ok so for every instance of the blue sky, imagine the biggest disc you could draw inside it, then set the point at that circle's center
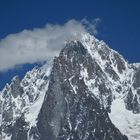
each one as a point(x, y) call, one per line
point(119, 26)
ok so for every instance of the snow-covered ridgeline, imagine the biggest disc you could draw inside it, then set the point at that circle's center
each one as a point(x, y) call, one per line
point(115, 79)
point(30, 93)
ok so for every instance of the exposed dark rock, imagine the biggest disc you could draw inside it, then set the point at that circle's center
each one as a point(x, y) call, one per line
point(19, 131)
point(69, 115)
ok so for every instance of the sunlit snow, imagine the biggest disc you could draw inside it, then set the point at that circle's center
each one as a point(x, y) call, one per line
point(127, 122)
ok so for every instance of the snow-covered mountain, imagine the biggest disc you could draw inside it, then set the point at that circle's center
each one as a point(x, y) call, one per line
point(88, 92)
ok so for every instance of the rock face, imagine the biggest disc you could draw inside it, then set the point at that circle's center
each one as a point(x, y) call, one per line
point(70, 110)
point(71, 98)
point(133, 96)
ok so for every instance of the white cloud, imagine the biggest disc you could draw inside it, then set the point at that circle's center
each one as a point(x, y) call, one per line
point(38, 45)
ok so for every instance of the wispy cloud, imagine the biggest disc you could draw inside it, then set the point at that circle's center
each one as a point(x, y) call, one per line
point(91, 26)
point(41, 44)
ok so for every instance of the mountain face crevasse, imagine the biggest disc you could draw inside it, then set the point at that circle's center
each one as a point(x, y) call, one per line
point(75, 97)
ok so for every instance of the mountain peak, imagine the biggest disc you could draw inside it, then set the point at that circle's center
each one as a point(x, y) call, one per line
point(73, 97)
point(15, 80)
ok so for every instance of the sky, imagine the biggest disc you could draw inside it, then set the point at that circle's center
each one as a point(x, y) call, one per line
point(26, 23)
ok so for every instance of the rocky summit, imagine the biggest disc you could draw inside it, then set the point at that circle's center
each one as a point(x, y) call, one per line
point(88, 92)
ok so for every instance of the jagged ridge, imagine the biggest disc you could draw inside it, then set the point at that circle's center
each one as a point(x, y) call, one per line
point(85, 79)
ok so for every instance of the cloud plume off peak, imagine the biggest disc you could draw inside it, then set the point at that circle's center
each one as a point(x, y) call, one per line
point(40, 44)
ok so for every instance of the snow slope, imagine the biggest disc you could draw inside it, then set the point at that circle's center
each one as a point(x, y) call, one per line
point(127, 122)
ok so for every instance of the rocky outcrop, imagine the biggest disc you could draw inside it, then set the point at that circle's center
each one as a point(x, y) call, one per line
point(70, 99)
point(70, 110)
